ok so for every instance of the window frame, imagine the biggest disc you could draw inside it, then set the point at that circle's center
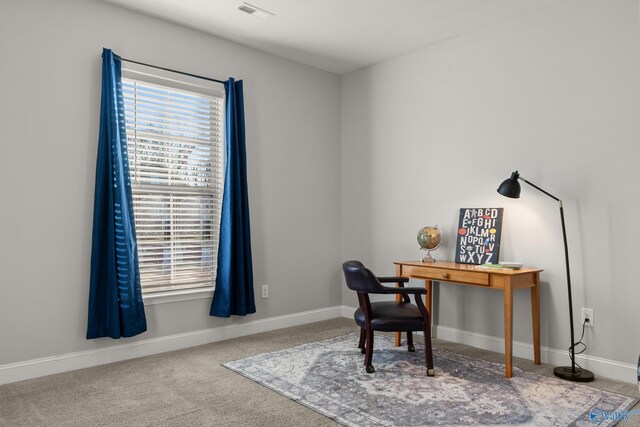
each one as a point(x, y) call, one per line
point(179, 82)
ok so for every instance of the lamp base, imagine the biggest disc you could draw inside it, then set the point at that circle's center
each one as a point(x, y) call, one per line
point(579, 375)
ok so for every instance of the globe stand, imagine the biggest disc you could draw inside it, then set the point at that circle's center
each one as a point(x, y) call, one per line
point(428, 257)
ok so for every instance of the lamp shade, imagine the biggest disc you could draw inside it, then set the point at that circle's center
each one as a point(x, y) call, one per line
point(510, 187)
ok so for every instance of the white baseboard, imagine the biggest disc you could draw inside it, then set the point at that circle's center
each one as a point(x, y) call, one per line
point(615, 370)
point(34, 368)
point(348, 311)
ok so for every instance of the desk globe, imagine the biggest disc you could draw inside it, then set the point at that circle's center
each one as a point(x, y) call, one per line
point(429, 238)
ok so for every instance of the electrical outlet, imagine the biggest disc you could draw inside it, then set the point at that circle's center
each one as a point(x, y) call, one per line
point(587, 314)
point(265, 291)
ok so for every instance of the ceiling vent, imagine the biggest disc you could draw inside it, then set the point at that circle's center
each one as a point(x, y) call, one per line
point(255, 11)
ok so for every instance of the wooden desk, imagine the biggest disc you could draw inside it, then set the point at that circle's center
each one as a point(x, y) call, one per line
point(472, 275)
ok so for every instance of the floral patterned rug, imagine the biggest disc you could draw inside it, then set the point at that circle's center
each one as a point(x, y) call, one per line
point(329, 377)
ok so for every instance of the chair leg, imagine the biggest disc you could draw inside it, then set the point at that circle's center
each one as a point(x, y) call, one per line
point(410, 346)
point(369, 352)
point(363, 336)
point(428, 350)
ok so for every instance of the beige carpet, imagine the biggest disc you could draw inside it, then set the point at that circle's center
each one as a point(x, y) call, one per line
point(190, 388)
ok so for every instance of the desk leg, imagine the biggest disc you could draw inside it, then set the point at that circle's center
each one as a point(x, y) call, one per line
point(508, 328)
point(398, 299)
point(535, 317)
point(429, 299)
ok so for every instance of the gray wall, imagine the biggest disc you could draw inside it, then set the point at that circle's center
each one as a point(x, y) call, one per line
point(49, 107)
point(553, 93)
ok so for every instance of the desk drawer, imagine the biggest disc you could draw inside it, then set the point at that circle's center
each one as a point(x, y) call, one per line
point(471, 277)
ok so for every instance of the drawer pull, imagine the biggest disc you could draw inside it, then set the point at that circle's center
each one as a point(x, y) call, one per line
point(445, 275)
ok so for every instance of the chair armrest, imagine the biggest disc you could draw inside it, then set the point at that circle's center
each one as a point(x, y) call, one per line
point(393, 279)
point(405, 291)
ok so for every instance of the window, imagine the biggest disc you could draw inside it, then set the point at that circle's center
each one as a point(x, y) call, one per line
point(174, 127)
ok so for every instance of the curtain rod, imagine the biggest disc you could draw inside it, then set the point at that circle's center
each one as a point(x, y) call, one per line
point(173, 71)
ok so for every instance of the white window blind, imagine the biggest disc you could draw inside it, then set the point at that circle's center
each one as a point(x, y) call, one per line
point(175, 140)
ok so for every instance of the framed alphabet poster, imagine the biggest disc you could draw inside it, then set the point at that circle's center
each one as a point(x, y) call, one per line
point(478, 236)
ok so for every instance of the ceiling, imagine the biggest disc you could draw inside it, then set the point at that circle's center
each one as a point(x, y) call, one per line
point(336, 35)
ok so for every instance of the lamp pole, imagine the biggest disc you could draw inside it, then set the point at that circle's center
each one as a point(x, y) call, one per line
point(511, 188)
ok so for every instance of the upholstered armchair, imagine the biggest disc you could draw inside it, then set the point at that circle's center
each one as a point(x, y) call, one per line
point(388, 316)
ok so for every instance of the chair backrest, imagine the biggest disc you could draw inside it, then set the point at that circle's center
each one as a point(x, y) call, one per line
point(360, 279)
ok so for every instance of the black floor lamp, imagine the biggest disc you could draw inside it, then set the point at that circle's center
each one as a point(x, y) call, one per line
point(511, 188)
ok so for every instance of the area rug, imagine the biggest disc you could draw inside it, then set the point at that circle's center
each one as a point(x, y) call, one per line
point(329, 377)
